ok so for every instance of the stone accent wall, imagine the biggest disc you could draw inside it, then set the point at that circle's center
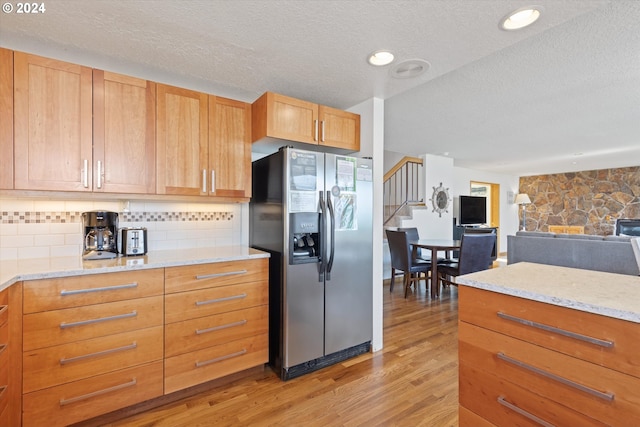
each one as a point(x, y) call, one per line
point(593, 199)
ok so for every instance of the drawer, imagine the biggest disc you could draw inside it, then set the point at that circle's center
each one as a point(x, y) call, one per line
point(66, 292)
point(57, 327)
point(81, 400)
point(75, 361)
point(205, 302)
point(598, 339)
point(4, 379)
point(215, 362)
point(503, 403)
point(593, 390)
point(196, 334)
point(178, 279)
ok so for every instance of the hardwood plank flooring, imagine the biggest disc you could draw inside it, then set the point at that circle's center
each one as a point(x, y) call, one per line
point(413, 381)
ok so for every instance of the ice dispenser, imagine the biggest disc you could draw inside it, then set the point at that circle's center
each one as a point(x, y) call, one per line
point(304, 239)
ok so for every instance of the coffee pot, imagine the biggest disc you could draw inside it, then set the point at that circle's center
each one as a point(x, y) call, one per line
point(100, 230)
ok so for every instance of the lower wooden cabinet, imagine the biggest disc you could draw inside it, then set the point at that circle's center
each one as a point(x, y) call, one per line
point(528, 363)
point(89, 345)
point(217, 321)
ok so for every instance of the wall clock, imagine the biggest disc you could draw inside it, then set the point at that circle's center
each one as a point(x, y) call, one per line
point(440, 199)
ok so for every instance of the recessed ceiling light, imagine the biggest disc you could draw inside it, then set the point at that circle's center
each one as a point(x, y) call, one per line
point(380, 58)
point(520, 18)
point(409, 68)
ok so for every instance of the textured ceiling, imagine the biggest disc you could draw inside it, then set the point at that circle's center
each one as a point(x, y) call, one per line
point(520, 102)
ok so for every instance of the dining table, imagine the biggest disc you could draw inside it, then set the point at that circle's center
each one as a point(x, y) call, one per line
point(435, 245)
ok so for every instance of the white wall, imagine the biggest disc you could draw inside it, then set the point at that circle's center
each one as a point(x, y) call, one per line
point(372, 145)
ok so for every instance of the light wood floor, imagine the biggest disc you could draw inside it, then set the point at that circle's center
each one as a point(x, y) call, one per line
point(413, 381)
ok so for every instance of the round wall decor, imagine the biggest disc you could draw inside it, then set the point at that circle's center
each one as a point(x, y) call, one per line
point(440, 199)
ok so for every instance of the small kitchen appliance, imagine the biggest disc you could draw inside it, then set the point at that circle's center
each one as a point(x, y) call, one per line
point(133, 241)
point(100, 230)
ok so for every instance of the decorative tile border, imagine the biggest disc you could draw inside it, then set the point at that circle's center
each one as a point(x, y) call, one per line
point(71, 217)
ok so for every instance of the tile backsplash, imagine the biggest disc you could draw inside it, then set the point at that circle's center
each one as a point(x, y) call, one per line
point(33, 228)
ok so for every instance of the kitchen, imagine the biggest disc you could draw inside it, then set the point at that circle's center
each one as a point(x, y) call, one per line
point(235, 214)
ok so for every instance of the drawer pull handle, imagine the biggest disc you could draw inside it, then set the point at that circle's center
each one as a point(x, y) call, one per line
point(212, 301)
point(503, 402)
point(2, 390)
point(3, 308)
point(217, 328)
point(602, 395)
point(131, 346)
point(221, 358)
point(97, 393)
point(596, 341)
point(105, 288)
point(63, 325)
point(3, 347)
point(215, 275)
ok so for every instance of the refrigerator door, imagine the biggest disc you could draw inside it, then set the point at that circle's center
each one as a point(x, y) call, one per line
point(348, 286)
point(303, 293)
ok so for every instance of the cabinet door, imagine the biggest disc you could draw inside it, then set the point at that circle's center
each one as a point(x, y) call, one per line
point(182, 141)
point(279, 116)
point(339, 129)
point(124, 138)
point(6, 118)
point(53, 124)
point(230, 147)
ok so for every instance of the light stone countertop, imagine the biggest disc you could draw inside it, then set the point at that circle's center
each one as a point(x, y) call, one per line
point(607, 294)
point(45, 268)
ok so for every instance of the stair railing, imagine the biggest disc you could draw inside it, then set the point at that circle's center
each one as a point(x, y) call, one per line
point(402, 186)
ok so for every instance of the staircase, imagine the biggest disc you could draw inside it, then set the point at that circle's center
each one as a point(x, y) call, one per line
point(403, 197)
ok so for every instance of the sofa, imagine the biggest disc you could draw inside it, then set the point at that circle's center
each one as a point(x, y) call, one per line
point(613, 254)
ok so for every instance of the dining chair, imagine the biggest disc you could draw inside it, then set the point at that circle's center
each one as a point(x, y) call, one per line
point(412, 234)
point(488, 230)
point(475, 255)
point(402, 259)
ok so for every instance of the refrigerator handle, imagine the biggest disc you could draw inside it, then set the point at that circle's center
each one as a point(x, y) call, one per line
point(323, 239)
point(333, 235)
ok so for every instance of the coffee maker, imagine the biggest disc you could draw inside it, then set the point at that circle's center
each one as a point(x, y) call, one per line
point(100, 230)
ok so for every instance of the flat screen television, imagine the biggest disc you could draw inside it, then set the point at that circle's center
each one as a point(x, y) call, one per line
point(473, 210)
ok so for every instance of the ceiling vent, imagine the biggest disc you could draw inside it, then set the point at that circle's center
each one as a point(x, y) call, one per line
point(409, 68)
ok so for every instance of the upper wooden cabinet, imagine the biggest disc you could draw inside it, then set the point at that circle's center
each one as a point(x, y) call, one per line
point(53, 124)
point(182, 141)
point(6, 118)
point(281, 117)
point(230, 147)
point(124, 134)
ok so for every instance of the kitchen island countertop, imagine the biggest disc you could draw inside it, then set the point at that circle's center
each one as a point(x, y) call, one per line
point(45, 268)
point(607, 294)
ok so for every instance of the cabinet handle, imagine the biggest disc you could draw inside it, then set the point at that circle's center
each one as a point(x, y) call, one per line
point(99, 177)
point(64, 402)
point(503, 402)
point(204, 180)
point(597, 393)
point(215, 275)
point(221, 358)
point(217, 328)
point(85, 174)
point(105, 288)
point(212, 301)
point(131, 346)
point(322, 139)
point(63, 325)
point(2, 390)
point(315, 132)
point(3, 347)
point(574, 335)
point(213, 181)
point(3, 308)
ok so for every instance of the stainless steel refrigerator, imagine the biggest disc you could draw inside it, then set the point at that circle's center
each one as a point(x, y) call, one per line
point(312, 212)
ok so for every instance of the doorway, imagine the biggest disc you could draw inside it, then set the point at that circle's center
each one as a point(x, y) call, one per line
point(492, 192)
